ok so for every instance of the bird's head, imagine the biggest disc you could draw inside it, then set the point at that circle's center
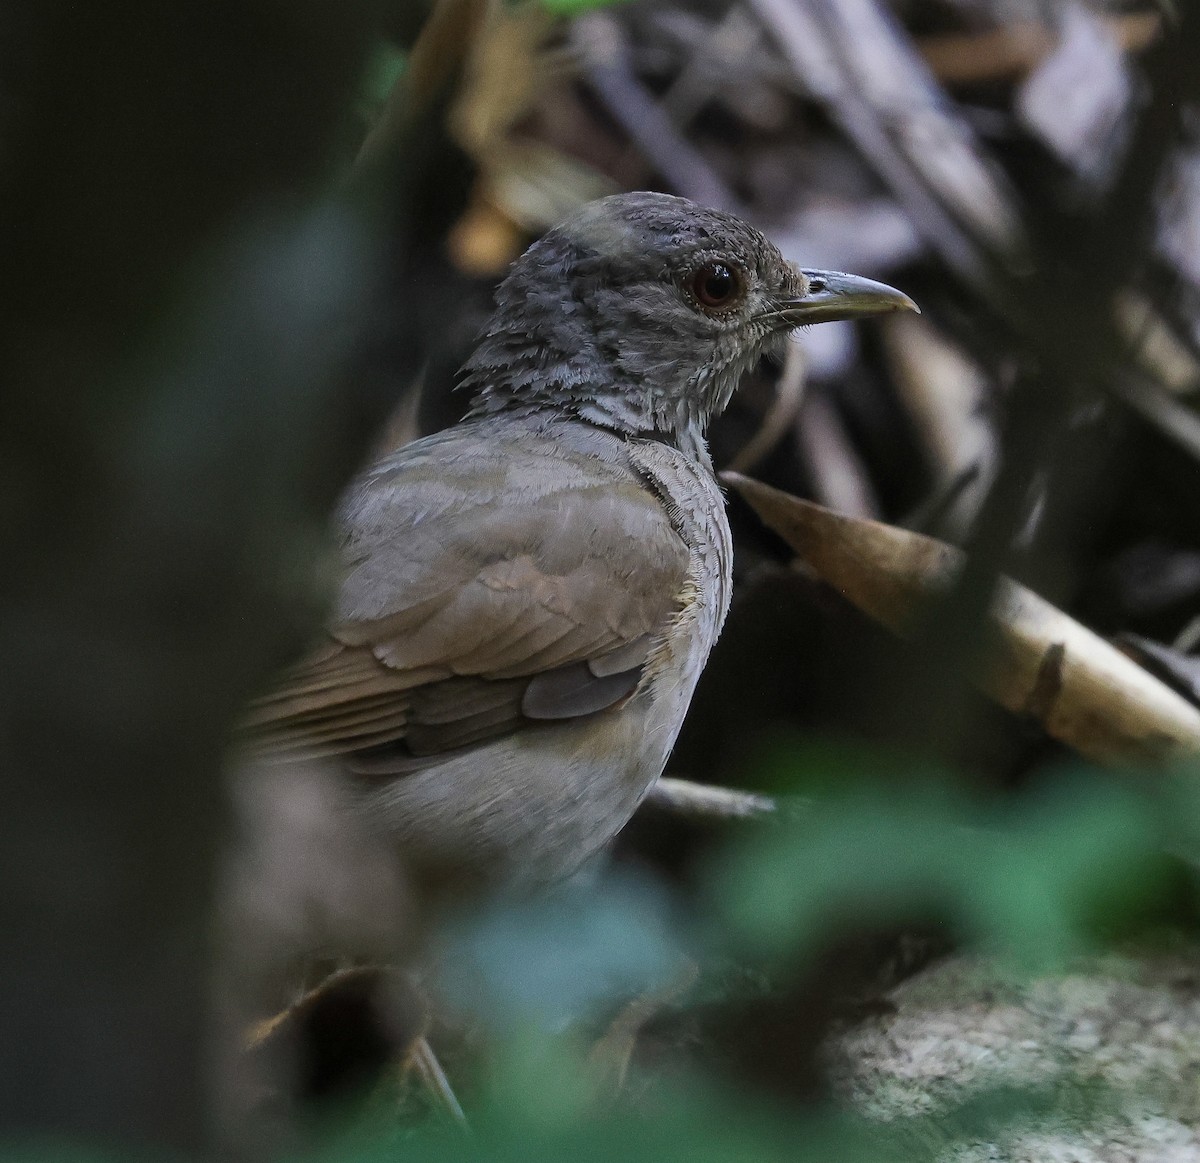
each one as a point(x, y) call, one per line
point(642, 311)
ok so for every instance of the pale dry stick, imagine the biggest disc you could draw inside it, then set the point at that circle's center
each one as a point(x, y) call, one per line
point(733, 40)
point(425, 1062)
point(1173, 664)
point(1035, 659)
point(1163, 411)
point(936, 141)
point(938, 508)
point(839, 475)
point(1161, 353)
point(613, 1054)
point(1079, 102)
point(702, 800)
point(885, 100)
point(946, 393)
point(1009, 52)
point(599, 39)
point(780, 416)
point(695, 84)
point(688, 30)
point(1189, 637)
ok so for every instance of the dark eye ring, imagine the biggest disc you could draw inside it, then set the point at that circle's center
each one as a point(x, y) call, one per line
point(717, 285)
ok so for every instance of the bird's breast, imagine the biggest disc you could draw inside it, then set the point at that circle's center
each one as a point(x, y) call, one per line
point(692, 498)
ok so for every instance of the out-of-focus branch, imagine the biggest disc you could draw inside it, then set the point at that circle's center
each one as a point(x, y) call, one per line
point(1045, 665)
point(169, 458)
point(706, 801)
point(1060, 315)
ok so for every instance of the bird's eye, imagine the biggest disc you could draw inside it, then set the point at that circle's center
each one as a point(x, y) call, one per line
point(717, 285)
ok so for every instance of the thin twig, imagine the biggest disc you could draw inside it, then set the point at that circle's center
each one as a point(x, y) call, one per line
point(426, 1064)
point(780, 416)
point(707, 800)
point(599, 39)
point(839, 476)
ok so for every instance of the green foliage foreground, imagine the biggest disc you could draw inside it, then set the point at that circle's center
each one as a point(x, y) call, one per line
point(1031, 883)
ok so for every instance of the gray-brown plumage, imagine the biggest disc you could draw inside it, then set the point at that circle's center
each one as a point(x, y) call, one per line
point(530, 596)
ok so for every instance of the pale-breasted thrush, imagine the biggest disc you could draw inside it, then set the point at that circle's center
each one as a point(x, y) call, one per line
point(530, 596)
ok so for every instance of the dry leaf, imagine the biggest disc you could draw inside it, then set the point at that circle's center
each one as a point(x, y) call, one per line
point(343, 1034)
point(1084, 691)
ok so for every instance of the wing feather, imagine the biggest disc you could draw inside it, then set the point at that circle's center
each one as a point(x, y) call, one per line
point(490, 582)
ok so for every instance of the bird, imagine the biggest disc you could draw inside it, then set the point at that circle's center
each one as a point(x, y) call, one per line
point(529, 597)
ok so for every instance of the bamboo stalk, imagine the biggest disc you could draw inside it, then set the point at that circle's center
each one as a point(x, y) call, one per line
point(1036, 660)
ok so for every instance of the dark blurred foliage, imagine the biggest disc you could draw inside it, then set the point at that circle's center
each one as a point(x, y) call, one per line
point(187, 332)
point(217, 294)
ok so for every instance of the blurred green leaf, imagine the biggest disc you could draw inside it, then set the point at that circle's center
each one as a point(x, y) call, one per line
point(549, 960)
point(61, 1151)
point(384, 66)
point(1027, 882)
point(694, 1124)
point(574, 7)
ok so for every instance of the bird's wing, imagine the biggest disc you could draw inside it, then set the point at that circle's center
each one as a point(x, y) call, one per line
point(490, 583)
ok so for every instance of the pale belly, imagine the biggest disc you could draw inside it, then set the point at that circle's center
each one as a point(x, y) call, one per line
point(532, 807)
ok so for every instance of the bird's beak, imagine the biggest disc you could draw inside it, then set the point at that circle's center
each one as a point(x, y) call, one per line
point(832, 295)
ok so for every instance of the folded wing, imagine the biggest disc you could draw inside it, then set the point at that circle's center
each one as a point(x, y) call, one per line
point(491, 583)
